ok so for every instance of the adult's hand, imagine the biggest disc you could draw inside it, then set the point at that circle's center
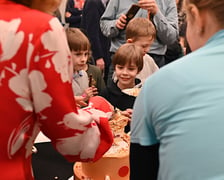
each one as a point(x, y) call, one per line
point(121, 22)
point(100, 63)
point(149, 5)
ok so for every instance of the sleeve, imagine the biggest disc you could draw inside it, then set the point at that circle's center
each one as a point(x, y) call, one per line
point(144, 149)
point(142, 130)
point(167, 24)
point(108, 20)
point(76, 134)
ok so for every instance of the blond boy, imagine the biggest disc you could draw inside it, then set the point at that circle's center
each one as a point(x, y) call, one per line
point(142, 32)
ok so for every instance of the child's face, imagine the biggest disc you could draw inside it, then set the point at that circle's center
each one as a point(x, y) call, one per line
point(126, 74)
point(144, 43)
point(79, 59)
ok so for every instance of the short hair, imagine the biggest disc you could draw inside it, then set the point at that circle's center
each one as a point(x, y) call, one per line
point(128, 53)
point(140, 27)
point(77, 40)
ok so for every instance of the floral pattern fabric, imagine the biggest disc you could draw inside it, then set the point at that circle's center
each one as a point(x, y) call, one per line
point(36, 94)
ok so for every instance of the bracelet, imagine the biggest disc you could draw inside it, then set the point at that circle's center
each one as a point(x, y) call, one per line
point(84, 95)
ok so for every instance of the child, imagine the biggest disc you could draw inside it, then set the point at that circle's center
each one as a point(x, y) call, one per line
point(80, 49)
point(163, 13)
point(128, 62)
point(141, 32)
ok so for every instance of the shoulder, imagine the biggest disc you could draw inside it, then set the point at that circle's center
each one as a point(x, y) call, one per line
point(93, 69)
point(147, 57)
point(84, 74)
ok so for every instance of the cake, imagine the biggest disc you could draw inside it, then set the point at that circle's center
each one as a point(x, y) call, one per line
point(132, 91)
point(114, 165)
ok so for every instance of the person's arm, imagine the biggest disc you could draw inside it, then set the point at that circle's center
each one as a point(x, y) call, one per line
point(91, 23)
point(144, 150)
point(76, 134)
point(144, 161)
point(165, 21)
point(167, 24)
point(109, 18)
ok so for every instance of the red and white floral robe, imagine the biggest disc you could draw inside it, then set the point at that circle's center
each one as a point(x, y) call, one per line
point(36, 94)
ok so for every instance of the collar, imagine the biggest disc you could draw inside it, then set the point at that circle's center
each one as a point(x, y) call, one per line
point(78, 74)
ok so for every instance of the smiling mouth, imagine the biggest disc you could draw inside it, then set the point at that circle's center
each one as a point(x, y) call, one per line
point(125, 79)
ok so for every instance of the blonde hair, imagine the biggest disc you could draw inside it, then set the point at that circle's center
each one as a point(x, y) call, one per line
point(77, 40)
point(129, 53)
point(140, 27)
point(216, 7)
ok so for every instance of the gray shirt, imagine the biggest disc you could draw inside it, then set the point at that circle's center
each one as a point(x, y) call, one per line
point(166, 22)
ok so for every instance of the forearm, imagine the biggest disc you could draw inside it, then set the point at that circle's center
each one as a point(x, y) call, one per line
point(166, 31)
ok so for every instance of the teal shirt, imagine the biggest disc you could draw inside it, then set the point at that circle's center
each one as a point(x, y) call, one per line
point(182, 107)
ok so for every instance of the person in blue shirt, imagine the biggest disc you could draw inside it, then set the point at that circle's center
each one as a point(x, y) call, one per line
point(177, 134)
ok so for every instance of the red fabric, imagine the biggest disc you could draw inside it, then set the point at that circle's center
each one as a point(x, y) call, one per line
point(98, 102)
point(36, 94)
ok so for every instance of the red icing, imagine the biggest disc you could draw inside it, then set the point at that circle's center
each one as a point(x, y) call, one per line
point(123, 171)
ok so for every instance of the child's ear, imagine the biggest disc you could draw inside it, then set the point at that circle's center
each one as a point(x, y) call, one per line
point(129, 40)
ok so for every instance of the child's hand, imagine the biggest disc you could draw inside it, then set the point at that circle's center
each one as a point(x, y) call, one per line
point(127, 113)
point(121, 22)
point(80, 101)
point(89, 92)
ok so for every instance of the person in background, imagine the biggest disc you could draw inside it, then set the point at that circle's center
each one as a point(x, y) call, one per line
point(141, 32)
point(73, 12)
point(163, 14)
point(80, 49)
point(183, 126)
point(36, 93)
point(178, 48)
point(128, 62)
point(100, 44)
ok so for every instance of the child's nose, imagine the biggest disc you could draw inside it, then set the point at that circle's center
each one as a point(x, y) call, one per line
point(84, 57)
point(125, 71)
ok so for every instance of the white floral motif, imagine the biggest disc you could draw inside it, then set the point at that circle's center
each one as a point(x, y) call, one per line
point(89, 140)
point(17, 137)
point(41, 99)
point(19, 85)
point(61, 66)
point(13, 39)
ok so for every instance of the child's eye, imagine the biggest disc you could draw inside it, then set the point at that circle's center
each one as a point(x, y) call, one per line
point(78, 54)
point(120, 67)
point(132, 69)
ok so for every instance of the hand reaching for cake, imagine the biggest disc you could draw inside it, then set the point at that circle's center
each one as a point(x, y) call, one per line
point(127, 113)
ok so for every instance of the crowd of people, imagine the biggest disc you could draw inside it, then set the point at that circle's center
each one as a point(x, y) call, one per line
point(52, 70)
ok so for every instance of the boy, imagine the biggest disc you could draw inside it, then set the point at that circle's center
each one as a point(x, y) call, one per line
point(141, 32)
point(80, 50)
point(128, 62)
